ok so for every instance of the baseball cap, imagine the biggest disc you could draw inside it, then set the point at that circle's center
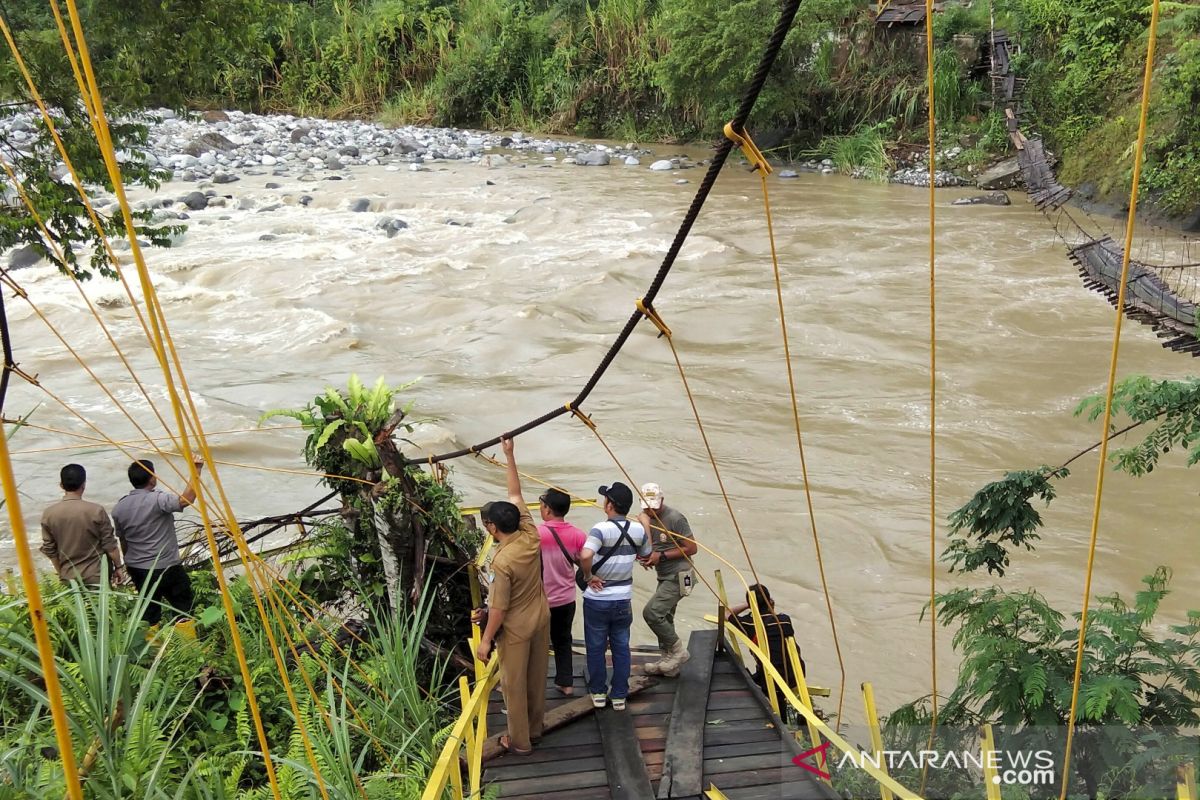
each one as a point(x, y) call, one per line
point(620, 494)
point(652, 496)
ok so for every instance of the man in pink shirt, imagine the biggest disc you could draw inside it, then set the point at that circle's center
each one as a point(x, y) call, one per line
point(561, 543)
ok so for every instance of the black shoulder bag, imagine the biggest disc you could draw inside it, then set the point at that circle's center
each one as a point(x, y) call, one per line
point(579, 580)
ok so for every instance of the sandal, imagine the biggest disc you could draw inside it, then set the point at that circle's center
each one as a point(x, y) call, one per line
point(505, 743)
point(566, 691)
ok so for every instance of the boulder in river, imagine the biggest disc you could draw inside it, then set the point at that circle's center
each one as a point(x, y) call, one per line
point(595, 158)
point(662, 165)
point(391, 226)
point(23, 257)
point(360, 205)
point(225, 177)
point(1004, 175)
point(209, 141)
point(195, 200)
point(989, 199)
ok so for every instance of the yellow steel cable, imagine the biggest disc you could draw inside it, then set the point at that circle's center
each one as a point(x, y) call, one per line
point(812, 516)
point(41, 633)
point(7, 280)
point(653, 315)
point(155, 332)
point(66, 157)
point(933, 693)
point(79, 287)
point(1130, 221)
point(127, 442)
point(312, 690)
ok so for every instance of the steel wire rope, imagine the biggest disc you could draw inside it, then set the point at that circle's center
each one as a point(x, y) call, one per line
point(795, 405)
point(127, 442)
point(1108, 397)
point(787, 13)
point(76, 180)
point(158, 326)
point(933, 616)
point(59, 252)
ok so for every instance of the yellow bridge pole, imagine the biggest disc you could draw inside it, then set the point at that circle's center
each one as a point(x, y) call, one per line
point(868, 693)
point(1185, 789)
point(991, 779)
point(760, 636)
point(814, 735)
point(41, 632)
point(733, 642)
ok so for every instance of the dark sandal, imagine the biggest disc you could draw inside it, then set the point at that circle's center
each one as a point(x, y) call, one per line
point(505, 743)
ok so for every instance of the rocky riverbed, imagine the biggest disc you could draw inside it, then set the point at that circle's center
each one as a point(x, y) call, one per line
point(203, 154)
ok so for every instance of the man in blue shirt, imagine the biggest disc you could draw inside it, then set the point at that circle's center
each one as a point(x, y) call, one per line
point(607, 559)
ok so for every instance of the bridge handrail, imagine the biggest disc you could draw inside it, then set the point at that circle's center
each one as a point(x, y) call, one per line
point(470, 731)
point(811, 718)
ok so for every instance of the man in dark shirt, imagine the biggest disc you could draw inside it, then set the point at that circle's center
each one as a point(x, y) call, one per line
point(778, 629)
point(145, 522)
point(76, 533)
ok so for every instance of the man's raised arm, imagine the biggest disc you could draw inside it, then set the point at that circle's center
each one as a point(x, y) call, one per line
point(514, 480)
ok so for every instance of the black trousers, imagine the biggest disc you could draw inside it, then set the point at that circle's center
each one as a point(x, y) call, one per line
point(170, 587)
point(561, 619)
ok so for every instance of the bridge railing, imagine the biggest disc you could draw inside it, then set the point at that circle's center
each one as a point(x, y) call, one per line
point(465, 743)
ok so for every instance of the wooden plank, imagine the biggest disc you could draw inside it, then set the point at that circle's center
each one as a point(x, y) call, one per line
point(683, 765)
point(627, 776)
point(735, 714)
point(594, 793)
point(565, 781)
point(718, 766)
point(744, 748)
point(795, 790)
point(568, 712)
point(517, 768)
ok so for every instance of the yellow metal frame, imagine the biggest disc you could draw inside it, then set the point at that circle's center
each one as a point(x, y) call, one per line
point(469, 732)
point(868, 693)
point(991, 779)
point(1185, 788)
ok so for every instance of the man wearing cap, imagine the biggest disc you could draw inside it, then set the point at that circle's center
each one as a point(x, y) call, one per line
point(145, 525)
point(607, 561)
point(517, 600)
point(561, 545)
point(674, 545)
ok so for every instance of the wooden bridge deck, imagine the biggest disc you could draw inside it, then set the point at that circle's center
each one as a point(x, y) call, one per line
point(711, 725)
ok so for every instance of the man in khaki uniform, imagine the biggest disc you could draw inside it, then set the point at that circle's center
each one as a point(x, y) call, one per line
point(517, 600)
point(76, 534)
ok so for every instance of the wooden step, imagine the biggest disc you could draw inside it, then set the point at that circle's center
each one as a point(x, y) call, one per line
point(683, 762)
point(627, 776)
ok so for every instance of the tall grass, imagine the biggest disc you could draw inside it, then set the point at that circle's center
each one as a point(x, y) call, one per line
point(166, 717)
point(863, 152)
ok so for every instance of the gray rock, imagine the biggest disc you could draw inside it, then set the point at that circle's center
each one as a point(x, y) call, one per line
point(505, 141)
point(789, 173)
point(631, 161)
point(989, 199)
point(662, 165)
point(272, 186)
point(195, 200)
point(215, 116)
point(360, 205)
point(23, 257)
point(268, 160)
point(1005, 175)
point(268, 237)
point(349, 150)
point(492, 160)
point(298, 134)
point(225, 177)
point(596, 158)
point(305, 199)
point(681, 180)
point(270, 208)
point(218, 202)
point(331, 162)
point(206, 142)
point(391, 226)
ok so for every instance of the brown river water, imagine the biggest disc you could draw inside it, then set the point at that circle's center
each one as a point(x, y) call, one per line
point(503, 316)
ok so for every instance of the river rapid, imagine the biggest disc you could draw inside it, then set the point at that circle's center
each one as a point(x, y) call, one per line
point(510, 282)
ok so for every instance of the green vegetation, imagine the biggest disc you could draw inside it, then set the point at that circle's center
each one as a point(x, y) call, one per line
point(661, 69)
point(167, 716)
point(368, 614)
point(1140, 686)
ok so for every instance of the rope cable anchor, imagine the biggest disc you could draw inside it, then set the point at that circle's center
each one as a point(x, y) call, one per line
point(649, 312)
point(749, 149)
point(584, 418)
